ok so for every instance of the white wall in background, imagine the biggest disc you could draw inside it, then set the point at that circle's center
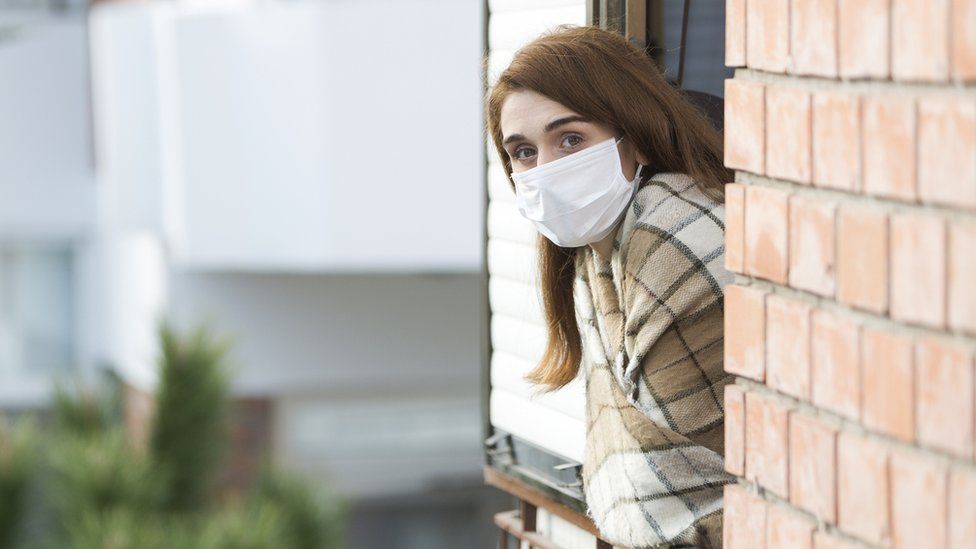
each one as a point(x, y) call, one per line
point(135, 283)
point(129, 116)
point(339, 333)
point(267, 185)
point(46, 166)
point(383, 445)
point(47, 203)
point(298, 136)
point(376, 377)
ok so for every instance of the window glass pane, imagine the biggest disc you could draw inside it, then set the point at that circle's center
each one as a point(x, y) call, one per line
point(36, 331)
point(705, 68)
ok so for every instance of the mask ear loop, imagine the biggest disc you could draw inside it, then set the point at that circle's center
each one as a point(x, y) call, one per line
point(639, 165)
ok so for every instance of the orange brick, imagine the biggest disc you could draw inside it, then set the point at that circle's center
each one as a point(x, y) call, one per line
point(863, 40)
point(836, 147)
point(944, 387)
point(918, 269)
point(786, 529)
point(862, 488)
point(918, 501)
point(888, 147)
point(920, 43)
point(862, 258)
point(813, 467)
point(735, 33)
point(963, 34)
point(834, 367)
point(947, 151)
point(744, 524)
point(735, 211)
point(962, 269)
point(814, 40)
point(788, 346)
point(962, 507)
point(745, 125)
point(766, 438)
point(735, 429)
point(745, 331)
point(766, 233)
point(788, 135)
point(812, 245)
point(887, 384)
point(768, 34)
point(823, 540)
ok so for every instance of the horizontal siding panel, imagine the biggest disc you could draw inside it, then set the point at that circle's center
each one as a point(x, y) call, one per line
point(498, 186)
point(507, 373)
point(499, 6)
point(545, 427)
point(512, 260)
point(515, 299)
point(505, 221)
point(517, 336)
point(512, 29)
point(490, 153)
point(498, 61)
point(563, 533)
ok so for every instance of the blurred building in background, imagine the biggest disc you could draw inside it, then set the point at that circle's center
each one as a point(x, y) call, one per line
point(308, 176)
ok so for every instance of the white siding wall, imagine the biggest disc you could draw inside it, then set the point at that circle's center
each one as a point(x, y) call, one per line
point(553, 421)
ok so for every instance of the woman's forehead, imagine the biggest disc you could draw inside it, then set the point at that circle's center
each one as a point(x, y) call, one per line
point(527, 111)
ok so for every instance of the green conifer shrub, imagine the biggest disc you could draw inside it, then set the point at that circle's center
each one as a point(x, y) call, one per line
point(189, 432)
point(103, 491)
point(18, 448)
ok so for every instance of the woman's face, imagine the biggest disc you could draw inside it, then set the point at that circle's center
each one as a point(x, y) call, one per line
point(536, 130)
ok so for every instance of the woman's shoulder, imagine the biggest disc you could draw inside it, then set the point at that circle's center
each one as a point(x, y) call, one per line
point(669, 196)
point(670, 207)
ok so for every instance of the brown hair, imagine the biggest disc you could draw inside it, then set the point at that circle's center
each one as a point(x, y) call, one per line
point(601, 76)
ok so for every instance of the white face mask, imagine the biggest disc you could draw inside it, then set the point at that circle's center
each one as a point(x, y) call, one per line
point(576, 199)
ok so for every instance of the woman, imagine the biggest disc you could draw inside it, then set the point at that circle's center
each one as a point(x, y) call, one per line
point(623, 178)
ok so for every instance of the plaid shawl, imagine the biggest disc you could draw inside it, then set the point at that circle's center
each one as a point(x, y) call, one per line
point(651, 319)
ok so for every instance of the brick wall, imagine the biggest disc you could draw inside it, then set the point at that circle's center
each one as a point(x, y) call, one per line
point(851, 125)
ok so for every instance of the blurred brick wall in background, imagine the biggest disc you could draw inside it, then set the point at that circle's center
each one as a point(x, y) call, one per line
point(250, 437)
point(852, 227)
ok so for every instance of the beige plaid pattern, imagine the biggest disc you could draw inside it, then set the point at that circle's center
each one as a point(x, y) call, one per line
point(652, 324)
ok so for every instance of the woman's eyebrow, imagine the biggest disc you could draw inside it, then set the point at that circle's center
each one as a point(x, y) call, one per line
point(549, 127)
point(564, 120)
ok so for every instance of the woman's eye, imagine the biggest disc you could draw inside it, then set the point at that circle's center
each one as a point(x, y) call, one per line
point(572, 140)
point(518, 155)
